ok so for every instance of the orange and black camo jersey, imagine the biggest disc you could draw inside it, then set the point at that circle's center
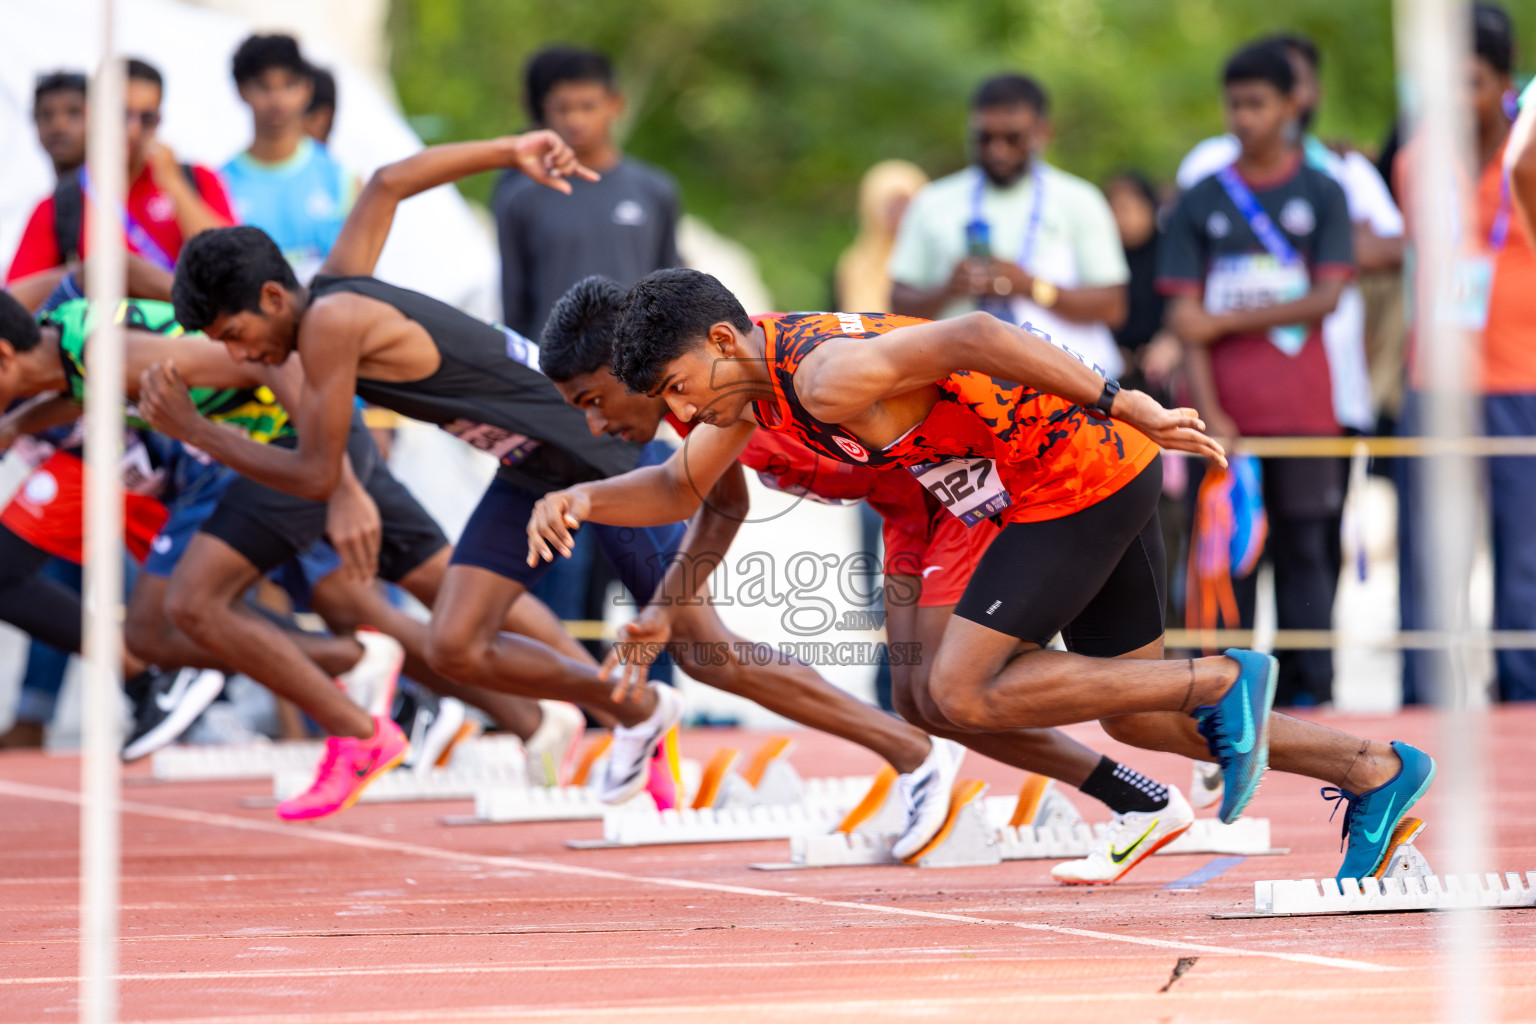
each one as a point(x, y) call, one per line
point(1051, 456)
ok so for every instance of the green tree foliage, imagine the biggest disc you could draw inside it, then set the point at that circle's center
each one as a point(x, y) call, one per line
point(768, 111)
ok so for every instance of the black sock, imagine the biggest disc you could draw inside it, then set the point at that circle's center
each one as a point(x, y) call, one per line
point(1124, 789)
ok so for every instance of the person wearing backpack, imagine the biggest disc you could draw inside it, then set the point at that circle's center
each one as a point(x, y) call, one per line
point(168, 202)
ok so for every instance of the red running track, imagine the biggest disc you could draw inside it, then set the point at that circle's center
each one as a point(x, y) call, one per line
point(385, 915)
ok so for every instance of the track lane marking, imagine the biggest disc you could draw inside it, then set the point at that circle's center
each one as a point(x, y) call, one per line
point(211, 818)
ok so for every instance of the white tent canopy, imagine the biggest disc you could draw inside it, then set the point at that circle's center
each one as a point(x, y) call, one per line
point(436, 245)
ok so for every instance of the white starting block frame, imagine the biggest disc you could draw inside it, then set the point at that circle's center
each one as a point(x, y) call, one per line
point(1040, 825)
point(404, 785)
point(1407, 883)
point(265, 759)
point(262, 759)
point(767, 799)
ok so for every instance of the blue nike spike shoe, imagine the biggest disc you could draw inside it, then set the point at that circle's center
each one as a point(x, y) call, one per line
point(1236, 729)
point(1370, 818)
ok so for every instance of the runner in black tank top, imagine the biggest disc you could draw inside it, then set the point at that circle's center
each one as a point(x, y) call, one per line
point(488, 392)
point(358, 336)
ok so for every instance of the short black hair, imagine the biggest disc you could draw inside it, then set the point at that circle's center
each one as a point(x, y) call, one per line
point(144, 71)
point(324, 97)
point(550, 67)
point(259, 54)
point(222, 270)
point(578, 337)
point(1295, 42)
point(1493, 36)
point(666, 313)
point(17, 325)
point(1261, 62)
point(1012, 90)
point(57, 81)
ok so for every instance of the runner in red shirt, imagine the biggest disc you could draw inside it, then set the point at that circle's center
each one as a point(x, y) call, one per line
point(930, 556)
point(167, 203)
point(998, 423)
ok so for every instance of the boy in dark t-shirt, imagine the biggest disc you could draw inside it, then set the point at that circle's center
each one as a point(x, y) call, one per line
point(1253, 258)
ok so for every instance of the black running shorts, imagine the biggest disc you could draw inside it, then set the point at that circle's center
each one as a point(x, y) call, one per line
point(268, 527)
point(1098, 576)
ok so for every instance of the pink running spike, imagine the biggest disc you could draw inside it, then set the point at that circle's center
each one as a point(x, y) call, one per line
point(347, 768)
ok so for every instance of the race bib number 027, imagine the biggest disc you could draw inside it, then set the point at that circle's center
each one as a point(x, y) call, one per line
point(969, 488)
point(507, 445)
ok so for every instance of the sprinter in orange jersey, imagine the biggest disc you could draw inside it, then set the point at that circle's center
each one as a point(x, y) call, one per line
point(999, 424)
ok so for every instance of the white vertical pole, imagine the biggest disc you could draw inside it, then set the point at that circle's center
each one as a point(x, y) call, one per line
point(1433, 48)
point(102, 713)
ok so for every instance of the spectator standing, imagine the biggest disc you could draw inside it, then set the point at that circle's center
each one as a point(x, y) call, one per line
point(320, 118)
point(1253, 258)
point(285, 182)
point(168, 202)
point(58, 111)
point(1504, 370)
point(1378, 242)
point(1151, 354)
point(622, 227)
point(1014, 235)
point(863, 281)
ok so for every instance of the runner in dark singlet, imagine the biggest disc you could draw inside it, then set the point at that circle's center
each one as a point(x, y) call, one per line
point(407, 352)
point(173, 623)
point(997, 422)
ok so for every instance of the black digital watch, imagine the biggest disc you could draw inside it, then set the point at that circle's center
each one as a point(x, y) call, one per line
point(1106, 400)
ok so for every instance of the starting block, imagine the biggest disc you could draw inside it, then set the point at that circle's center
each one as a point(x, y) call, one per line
point(261, 759)
point(1041, 824)
point(765, 799)
point(405, 785)
point(265, 759)
point(1405, 882)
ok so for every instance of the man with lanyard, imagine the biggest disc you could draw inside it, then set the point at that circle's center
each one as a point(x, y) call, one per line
point(929, 558)
point(167, 202)
point(1013, 235)
point(1253, 258)
point(1499, 307)
point(357, 336)
point(1377, 228)
point(997, 422)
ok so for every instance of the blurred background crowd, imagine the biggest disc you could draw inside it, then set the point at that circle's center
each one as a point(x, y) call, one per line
point(1072, 164)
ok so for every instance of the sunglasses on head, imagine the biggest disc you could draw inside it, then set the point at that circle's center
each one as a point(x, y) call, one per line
point(147, 118)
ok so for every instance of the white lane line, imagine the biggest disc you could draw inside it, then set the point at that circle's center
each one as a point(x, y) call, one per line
point(48, 793)
point(541, 968)
point(825, 1009)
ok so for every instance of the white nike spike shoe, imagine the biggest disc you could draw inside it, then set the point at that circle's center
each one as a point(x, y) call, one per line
point(1206, 785)
point(1130, 839)
point(629, 754)
point(552, 748)
point(371, 682)
point(925, 791)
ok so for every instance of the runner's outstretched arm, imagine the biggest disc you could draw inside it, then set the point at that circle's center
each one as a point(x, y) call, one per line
point(648, 496)
point(322, 420)
point(542, 156)
point(708, 538)
point(844, 378)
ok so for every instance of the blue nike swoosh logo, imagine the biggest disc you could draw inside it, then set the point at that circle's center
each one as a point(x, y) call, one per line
point(1245, 743)
point(1372, 837)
